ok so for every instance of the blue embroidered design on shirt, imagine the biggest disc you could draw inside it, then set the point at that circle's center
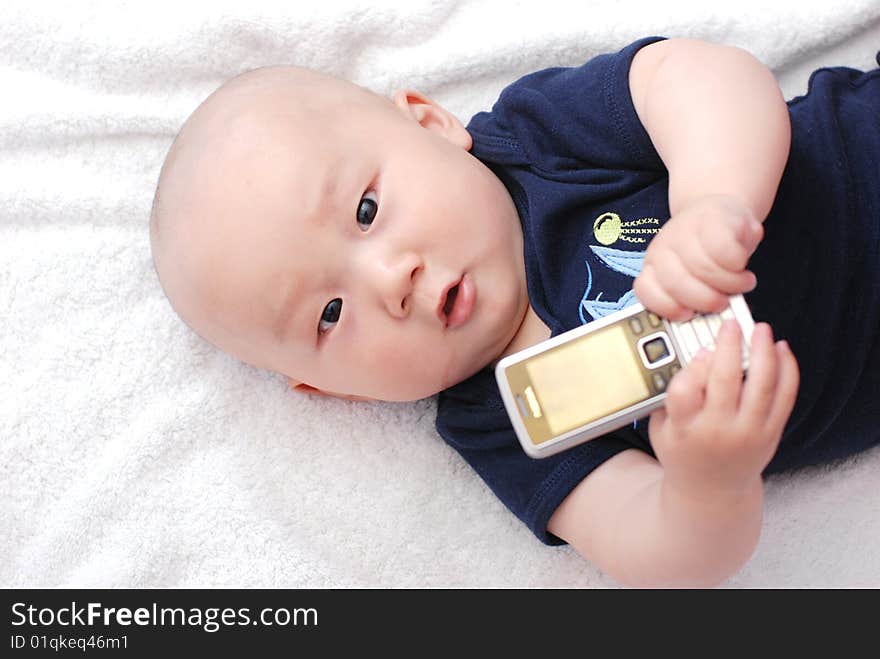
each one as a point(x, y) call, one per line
point(627, 263)
point(624, 262)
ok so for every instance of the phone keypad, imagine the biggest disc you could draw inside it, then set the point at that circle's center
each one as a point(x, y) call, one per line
point(657, 379)
point(689, 336)
point(660, 378)
point(700, 332)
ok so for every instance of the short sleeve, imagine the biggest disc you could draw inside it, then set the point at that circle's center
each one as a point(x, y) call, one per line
point(472, 419)
point(574, 118)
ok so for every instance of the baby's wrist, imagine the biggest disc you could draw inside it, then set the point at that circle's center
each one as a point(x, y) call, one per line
point(710, 490)
point(731, 202)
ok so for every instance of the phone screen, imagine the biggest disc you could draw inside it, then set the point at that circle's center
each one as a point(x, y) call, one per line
point(578, 382)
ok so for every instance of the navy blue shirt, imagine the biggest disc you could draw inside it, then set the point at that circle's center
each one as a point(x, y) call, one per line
point(591, 191)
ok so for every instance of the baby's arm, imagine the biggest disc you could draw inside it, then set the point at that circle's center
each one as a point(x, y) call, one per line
point(693, 516)
point(717, 118)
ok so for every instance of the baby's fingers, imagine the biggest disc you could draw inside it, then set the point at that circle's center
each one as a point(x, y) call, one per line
point(654, 296)
point(731, 240)
point(686, 394)
point(726, 282)
point(725, 384)
point(786, 387)
point(760, 388)
point(686, 287)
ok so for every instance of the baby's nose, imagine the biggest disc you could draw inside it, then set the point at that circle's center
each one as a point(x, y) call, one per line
point(397, 282)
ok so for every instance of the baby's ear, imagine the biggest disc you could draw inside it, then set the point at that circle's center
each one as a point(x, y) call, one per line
point(432, 116)
point(303, 388)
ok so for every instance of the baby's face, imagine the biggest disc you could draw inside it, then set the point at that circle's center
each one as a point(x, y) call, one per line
point(360, 250)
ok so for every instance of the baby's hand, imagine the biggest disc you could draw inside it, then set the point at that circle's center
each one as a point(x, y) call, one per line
point(718, 432)
point(699, 257)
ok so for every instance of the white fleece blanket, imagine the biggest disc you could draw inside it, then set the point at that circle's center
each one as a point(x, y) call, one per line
point(134, 454)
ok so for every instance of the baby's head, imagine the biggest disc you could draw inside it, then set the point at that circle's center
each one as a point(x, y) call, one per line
point(309, 226)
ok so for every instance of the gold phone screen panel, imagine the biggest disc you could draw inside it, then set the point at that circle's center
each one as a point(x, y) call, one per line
point(579, 382)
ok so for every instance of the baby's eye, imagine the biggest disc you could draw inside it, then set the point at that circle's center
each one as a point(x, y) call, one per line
point(367, 209)
point(330, 315)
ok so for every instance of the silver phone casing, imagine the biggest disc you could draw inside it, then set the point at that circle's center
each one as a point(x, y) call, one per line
point(617, 419)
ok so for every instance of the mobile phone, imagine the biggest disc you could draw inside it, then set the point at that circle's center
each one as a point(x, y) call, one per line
point(603, 375)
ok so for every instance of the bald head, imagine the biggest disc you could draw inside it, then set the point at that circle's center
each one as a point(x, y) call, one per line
point(214, 170)
point(311, 227)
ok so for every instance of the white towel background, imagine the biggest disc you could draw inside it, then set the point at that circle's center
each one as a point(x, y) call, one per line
point(134, 454)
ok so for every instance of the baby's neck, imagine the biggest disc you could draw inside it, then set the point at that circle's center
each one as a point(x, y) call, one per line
point(532, 330)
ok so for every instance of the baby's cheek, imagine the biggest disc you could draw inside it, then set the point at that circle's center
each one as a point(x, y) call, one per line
point(409, 358)
point(404, 354)
point(383, 357)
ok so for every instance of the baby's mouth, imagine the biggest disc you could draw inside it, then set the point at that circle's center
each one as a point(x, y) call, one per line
point(450, 300)
point(457, 305)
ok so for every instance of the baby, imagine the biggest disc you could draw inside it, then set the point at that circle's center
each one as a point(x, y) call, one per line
point(379, 249)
